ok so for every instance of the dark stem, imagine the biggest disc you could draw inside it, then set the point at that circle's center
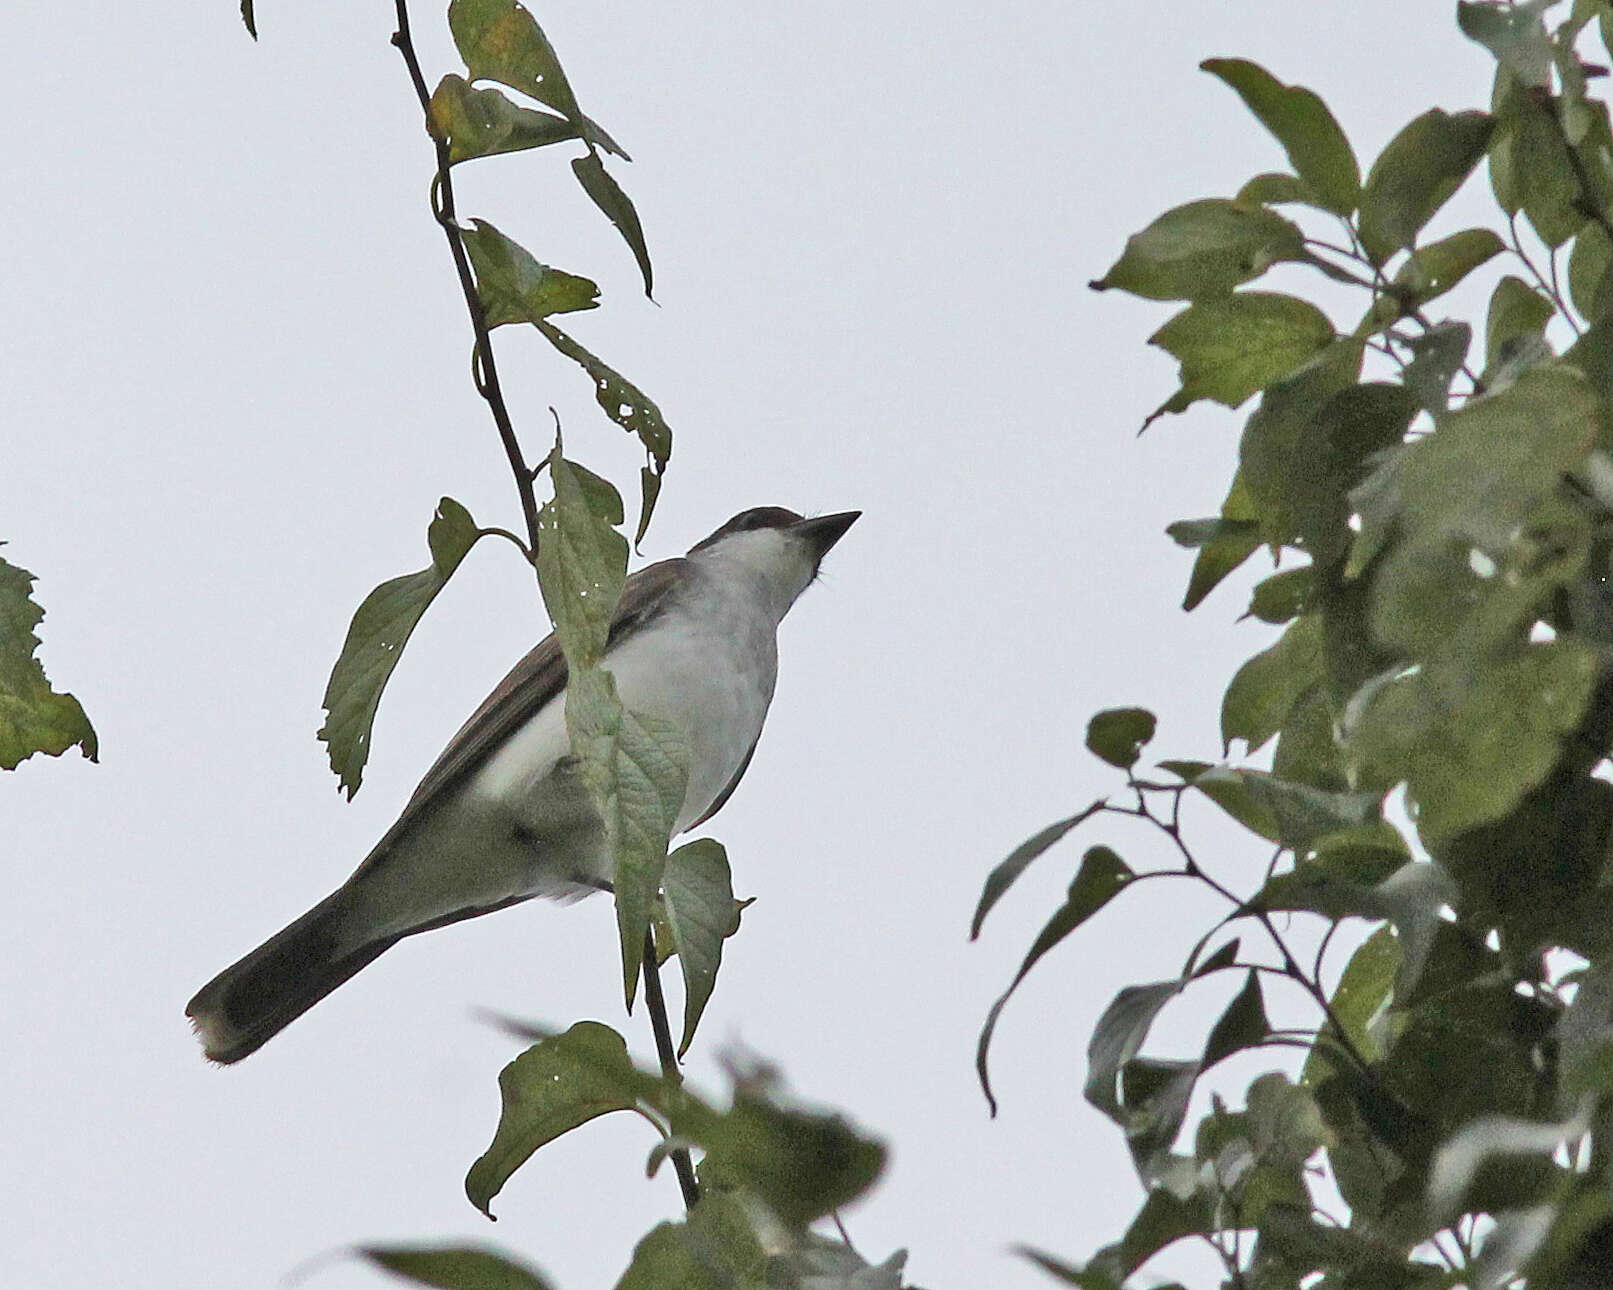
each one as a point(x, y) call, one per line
point(485, 369)
point(655, 1001)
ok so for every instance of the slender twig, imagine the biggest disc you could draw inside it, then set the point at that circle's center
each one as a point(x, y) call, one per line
point(484, 367)
point(655, 1002)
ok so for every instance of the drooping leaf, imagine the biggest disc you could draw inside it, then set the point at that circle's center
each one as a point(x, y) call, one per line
point(557, 1084)
point(484, 123)
point(1265, 689)
point(702, 913)
point(1232, 346)
point(1007, 873)
point(33, 717)
point(375, 640)
point(636, 767)
point(1201, 250)
point(625, 404)
point(1102, 876)
point(1118, 735)
point(514, 287)
point(1317, 148)
point(454, 1267)
point(249, 19)
point(1118, 1037)
point(616, 206)
point(1417, 174)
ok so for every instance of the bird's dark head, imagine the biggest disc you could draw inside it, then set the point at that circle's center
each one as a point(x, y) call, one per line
point(780, 548)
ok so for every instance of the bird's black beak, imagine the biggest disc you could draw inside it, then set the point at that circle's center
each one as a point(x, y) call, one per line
point(823, 531)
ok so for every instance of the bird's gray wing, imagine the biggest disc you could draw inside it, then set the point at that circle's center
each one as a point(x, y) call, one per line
point(537, 679)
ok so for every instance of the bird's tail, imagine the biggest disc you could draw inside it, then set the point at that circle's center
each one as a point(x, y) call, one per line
point(250, 1002)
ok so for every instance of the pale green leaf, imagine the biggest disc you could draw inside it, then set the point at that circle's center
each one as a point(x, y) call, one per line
point(1203, 249)
point(33, 717)
point(701, 912)
point(582, 558)
point(1417, 174)
point(375, 640)
point(483, 123)
point(514, 287)
point(1317, 148)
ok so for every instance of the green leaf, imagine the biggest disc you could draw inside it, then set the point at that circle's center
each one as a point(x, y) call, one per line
point(1225, 547)
point(636, 767)
point(1307, 750)
point(1118, 1037)
point(702, 912)
point(514, 287)
point(375, 640)
point(249, 18)
point(1585, 1039)
point(616, 206)
point(1300, 121)
point(1199, 533)
point(1243, 1024)
point(1284, 596)
point(1203, 249)
point(1265, 689)
point(1515, 34)
point(1437, 356)
point(454, 1267)
point(1118, 735)
point(1417, 174)
point(819, 1263)
point(1516, 311)
point(802, 1165)
point(1007, 873)
point(1530, 165)
point(484, 123)
point(1232, 346)
point(1102, 876)
point(1430, 271)
point(1274, 189)
point(622, 401)
point(1588, 281)
point(1164, 1219)
point(716, 1247)
point(500, 41)
point(1360, 999)
point(557, 1084)
point(33, 717)
point(582, 559)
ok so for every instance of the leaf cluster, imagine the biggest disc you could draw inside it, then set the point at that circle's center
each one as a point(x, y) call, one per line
point(1437, 493)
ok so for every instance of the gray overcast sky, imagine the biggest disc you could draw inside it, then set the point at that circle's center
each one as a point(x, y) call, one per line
point(233, 372)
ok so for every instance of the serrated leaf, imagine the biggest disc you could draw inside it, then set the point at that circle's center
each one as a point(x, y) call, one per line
point(1265, 689)
point(1235, 345)
point(1203, 249)
point(500, 41)
point(1317, 148)
point(1417, 174)
point(375, 640)
point(622, 401)
point(484, 123)
point(33, 717)
point(514, 287)
point(702, 913)
point(454, 1267)
point(616, 206)
point(559, 1083)
point(1118, 735)
point(1007, 873)
point(1102, 876)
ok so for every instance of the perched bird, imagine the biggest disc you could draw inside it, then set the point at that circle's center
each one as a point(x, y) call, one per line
point(503, 815)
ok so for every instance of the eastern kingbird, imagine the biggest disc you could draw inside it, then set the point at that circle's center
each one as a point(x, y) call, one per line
point(503, 815)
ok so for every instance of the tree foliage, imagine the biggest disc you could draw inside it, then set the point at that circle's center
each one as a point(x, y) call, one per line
point(1438, 492)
